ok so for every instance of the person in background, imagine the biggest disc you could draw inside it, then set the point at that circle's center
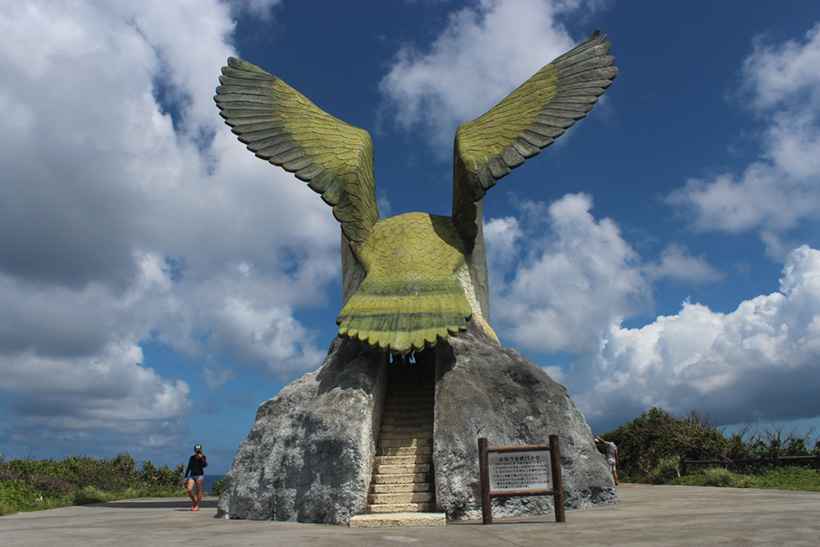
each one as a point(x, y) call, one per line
point(196, 469)
point(611, 457)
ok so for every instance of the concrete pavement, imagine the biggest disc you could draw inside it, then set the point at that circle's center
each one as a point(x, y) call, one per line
point(646, 515)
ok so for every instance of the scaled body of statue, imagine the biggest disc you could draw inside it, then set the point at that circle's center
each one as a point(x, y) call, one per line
point(413, 279)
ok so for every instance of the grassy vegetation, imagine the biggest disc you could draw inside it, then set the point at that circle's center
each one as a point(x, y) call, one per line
point(782, 478)
point(652, 447)
point(28, 485)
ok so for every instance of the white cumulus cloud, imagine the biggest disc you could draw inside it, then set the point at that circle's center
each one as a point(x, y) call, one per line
point(575, 273)
point(129, 214)
point(782, 189)
point(483, 54)
point(761, 361)
point(676, 263)
point(564, 280)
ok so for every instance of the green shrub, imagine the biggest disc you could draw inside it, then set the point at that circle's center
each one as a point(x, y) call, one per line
point(89, 495)
point(718, 476)
point(656, 435)
point(31, 485)
point(790, 478)
point(51, 484)
point(18, 496)
point(124, 462)
point(218, 486)
point(667, 469)
point(746, 481)
point(159, 476)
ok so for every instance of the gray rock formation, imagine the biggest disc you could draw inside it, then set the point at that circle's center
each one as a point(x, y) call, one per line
point(309, 456)
point(310, 453)
point(484, 390)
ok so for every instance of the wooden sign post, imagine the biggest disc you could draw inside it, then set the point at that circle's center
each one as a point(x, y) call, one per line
point(520, 471)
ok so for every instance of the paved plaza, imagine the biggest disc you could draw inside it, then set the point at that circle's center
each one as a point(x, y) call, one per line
point(646, 515)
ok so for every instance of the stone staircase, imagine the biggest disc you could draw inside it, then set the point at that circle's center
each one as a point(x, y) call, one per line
point(403, 472)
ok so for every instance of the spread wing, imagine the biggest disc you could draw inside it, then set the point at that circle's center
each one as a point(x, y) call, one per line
point(527, 120)
point(280, 125)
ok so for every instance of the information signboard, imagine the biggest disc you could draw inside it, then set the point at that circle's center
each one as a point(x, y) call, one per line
point(506, 471)
point(525, 470)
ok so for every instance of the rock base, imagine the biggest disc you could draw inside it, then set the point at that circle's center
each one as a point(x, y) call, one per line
point(309, 456)
point(484, 390)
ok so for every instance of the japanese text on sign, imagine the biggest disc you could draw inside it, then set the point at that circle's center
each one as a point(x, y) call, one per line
point(526, 470)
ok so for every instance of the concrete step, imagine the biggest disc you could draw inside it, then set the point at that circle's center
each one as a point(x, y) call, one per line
point(423, 397)
point(411, 388)
point(394, 520)
point(399, 488)
point(418, 399)
point(388, 430)
point(405, 425)
point(408, 409)
point(425, 393)
point(402, 469)
point(402, 481)
point(404, 450)
point(397, 428)
point(421, 400)
point(400, 478)
point(408, 382)
point(395, 438)
point(411, 397)
point(408, 429)
point(408, 412)
point(390, 438)
point(415, 404)
point(409, 406)
point(404, 459)
point(400, 416)
point(400, 498)
point(408, 420)
point(401, 508)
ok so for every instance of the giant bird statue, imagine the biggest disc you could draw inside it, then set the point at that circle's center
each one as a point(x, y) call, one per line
point(416, 278)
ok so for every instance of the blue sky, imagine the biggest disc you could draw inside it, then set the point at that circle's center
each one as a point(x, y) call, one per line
point(158, 282)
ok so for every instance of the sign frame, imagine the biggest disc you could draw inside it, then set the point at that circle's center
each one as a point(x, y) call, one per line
point(554, 470)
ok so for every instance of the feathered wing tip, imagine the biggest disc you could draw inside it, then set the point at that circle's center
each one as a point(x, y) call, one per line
point(522, 124)
point(404, 315)
point(280, 125)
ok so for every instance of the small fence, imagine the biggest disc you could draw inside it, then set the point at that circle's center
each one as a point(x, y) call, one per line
point(761, 461)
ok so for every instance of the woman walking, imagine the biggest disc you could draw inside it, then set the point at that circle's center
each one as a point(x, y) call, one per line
point(196, 469)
